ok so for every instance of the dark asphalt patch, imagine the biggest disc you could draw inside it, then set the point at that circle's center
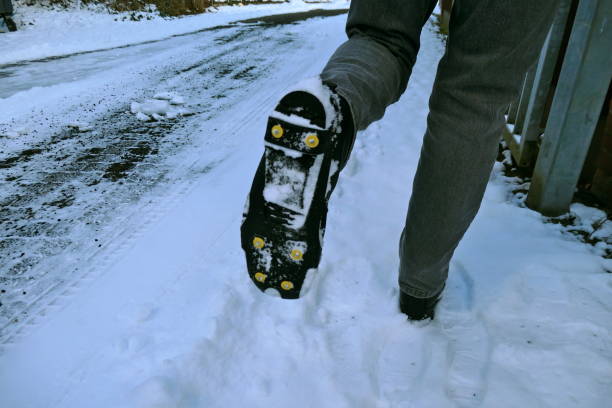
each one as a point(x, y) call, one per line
point(290, 18)
point(24, 155)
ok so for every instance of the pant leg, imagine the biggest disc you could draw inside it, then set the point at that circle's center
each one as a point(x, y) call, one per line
point(491, 45)
point(6, 7)
point(372, 68)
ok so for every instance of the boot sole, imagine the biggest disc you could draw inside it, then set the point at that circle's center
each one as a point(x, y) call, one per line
point(281, 231)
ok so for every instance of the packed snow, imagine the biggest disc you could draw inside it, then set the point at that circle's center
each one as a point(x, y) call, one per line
point(15, 132)
point(80, 126)
point(171, 319)
point(163, 105)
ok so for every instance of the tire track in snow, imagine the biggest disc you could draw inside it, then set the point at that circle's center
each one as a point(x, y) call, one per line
point(46, 277)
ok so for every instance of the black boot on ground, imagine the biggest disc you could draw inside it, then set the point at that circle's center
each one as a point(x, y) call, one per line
point(10, 23)
point(418, 308)
point(307, 142)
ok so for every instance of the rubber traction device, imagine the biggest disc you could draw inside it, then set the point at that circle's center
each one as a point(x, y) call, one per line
point(285, 212)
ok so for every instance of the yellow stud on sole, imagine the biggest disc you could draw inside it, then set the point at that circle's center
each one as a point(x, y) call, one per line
point(261, 277)
point(286, 285)
point(258, 242)
point(297, 255)
point(311, 140)
point(277, 131)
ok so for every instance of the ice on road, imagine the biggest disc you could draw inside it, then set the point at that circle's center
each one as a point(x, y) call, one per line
point(166, 315)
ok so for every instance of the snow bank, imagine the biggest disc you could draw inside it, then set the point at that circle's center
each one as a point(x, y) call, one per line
point(45, 33)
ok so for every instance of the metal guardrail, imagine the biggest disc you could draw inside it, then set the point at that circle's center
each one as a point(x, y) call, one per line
point(526, 114)
point(560, 147)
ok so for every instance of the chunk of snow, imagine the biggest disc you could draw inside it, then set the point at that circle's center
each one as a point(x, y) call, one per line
point(177, 100)
point(288, 152)
point(14, 133)
point(162, 106)
point(164, 95)
point(604, 232)
point(80, 126)
point(315, 86)
point(587, 215)
point(295, 120)
point(143, 117)
point(135, 107)
point(152, 106)
point(272, 292)
point(172, 97)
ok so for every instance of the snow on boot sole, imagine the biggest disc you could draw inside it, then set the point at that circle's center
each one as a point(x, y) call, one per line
point(285, 213)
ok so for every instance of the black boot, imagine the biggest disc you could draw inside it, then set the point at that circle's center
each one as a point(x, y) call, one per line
point(307, 143)
point(10, 24)
point(419, 308)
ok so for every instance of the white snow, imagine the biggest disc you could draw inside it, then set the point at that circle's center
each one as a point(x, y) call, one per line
point(174, 98)
point(315, 87)
point(143, 117)
point(164, 105)
point(587, 217)
point(287, 184)
point(171, 319)
point(604, 232)
point(80, 126)
point(294, 119)
point(16, 132)
point(55, 33)
point(294, 154)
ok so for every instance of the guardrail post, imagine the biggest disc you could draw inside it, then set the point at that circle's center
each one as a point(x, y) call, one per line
point(524, 101)
point(583, 83)
point(512, 111)
point(531, 126)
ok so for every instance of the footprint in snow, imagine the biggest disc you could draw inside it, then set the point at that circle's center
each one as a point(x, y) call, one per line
point(402, 363)
point(468, 341)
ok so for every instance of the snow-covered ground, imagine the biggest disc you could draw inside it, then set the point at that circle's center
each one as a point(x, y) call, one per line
point(78, 145)
point(48, 33)
point(162, 313)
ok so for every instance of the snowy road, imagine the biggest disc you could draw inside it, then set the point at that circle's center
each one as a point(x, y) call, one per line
point(68, 187)
point(120, 242)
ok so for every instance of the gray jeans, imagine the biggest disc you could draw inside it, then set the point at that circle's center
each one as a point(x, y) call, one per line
point(491, 45)
point(6, 7)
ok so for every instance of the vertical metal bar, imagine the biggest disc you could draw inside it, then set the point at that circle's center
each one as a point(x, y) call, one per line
point(512, 111)
point(541, 85)
point(524, 101)
point(583, 83)
point(515, 117)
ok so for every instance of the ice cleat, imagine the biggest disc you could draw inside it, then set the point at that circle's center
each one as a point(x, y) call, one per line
point(308, 139)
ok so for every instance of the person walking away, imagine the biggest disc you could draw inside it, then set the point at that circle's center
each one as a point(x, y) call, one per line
point(491, 45)
point(6, 13)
